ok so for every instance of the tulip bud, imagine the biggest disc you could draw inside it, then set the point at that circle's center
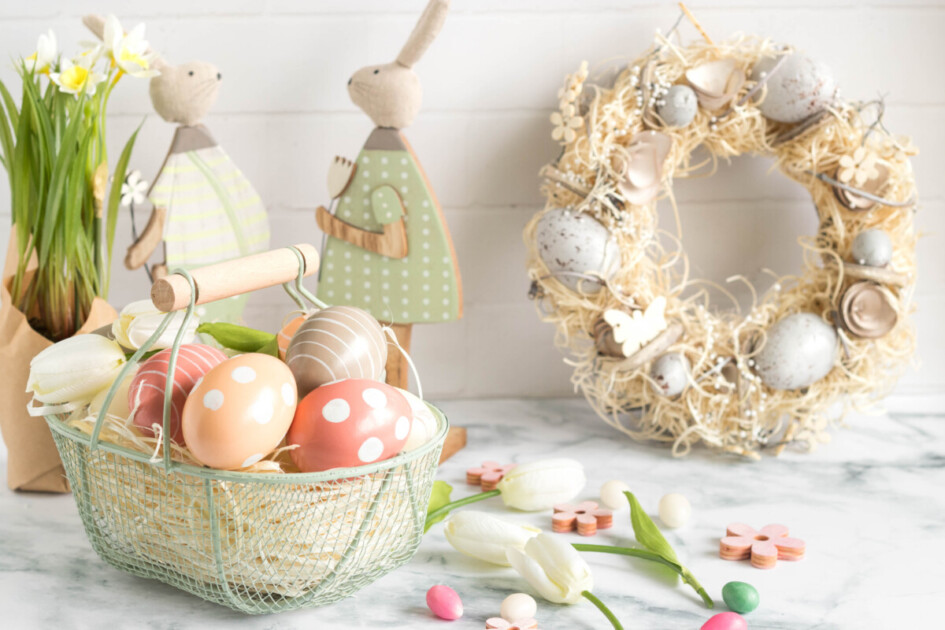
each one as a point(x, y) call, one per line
point(483, 536)
point(543, 484)
point(138, 321)
point(553, 568)
point(75, 369)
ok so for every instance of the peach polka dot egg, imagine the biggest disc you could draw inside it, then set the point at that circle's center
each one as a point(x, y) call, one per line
point(352, 422)
point(240, 411)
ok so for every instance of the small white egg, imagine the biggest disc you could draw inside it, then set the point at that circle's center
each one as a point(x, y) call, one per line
point(573, 243)
point(798, 89)
point(799, 350)
point(679, 106)
point(873, 248)
point(518, 606)
point(612, 495)
point(674, 510)
point(671, 373)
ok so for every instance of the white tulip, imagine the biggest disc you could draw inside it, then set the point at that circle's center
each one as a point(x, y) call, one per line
point(554, 568)
point(543, 484)
point(75, 369)
point(138, 321)
point(483, 536)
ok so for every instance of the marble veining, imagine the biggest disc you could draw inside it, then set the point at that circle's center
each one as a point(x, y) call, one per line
point(870, 506)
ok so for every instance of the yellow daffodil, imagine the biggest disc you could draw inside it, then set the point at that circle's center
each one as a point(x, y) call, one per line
point(130, 52)
point(72, 78)
point(41, 60)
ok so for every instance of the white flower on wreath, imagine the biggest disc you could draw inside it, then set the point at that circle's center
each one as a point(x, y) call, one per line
point(72, 78)
point(134, 189)
point(46, 50)
point(565, 126)
point(860, 167)
point(130, 52)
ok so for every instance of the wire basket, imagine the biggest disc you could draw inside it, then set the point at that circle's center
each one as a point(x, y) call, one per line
point(255, 542)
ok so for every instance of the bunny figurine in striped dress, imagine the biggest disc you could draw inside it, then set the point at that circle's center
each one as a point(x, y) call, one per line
point(205, 210)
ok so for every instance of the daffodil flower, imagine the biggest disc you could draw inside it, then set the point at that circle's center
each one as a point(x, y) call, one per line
point(46, 50)
point(72, 78)
point(860, 167)
point(130, 52)
point(134, 189)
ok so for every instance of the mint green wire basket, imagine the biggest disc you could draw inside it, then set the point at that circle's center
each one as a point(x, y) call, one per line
point(254, 542)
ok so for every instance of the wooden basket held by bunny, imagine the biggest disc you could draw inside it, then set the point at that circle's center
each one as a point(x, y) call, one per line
point(205, 210)
point(387, 233)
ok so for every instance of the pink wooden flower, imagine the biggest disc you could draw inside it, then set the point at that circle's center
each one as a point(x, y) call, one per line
point(764, 547)
point(488, 475)
point(586, 517)
point(498, 623)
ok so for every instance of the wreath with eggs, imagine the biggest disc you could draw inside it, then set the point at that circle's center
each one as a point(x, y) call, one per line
point(649, 353)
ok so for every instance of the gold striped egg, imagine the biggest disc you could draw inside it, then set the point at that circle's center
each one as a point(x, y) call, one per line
point(336, 343)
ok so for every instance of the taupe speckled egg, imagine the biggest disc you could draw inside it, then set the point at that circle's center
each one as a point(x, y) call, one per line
point(679, 106)
point(572, 243)
point(671, 373)
point(873, 248)
point(799, 88)
point(800, 350)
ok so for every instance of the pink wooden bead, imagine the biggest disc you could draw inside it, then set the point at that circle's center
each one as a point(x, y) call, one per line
point(444, 602)
point(726, 621)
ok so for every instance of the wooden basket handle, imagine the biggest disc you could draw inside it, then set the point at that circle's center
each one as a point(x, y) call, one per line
point(226, 279)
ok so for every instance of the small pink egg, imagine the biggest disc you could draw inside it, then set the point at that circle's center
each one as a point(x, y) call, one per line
point(726, 621)
point(444, 602)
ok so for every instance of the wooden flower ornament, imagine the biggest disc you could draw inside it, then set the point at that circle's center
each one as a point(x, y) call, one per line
point(764, 548)
point(584, 517)
point(387, 230)
point(498, 623)
point(488, 475)
point(661, 363)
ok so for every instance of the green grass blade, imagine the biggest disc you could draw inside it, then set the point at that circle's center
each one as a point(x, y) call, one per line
point(114, 198)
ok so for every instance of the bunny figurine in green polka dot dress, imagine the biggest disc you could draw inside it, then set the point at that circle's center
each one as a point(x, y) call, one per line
point(388, 249)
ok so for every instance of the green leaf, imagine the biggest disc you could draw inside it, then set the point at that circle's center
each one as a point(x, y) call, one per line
point(240, 338)
point(646, 531)
point(114, 197)
point(439, 498)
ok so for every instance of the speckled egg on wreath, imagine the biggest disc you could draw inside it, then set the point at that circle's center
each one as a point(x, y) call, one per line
point(650, 355)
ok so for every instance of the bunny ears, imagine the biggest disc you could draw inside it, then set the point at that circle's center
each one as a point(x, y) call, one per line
point(426, 30)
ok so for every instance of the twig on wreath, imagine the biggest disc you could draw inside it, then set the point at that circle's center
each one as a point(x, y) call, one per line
point(862, 193)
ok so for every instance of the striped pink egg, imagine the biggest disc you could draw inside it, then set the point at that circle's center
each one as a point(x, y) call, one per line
point(146, 394)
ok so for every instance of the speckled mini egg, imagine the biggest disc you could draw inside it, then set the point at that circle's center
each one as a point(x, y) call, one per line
point(239, 411)
point(873, 248)
point(798, 89)
point(572, 242)
point(671, 373)
point(800, 350)
point(679, 106)
point(335, 343)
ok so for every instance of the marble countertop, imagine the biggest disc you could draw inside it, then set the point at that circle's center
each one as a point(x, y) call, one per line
point(870, 506)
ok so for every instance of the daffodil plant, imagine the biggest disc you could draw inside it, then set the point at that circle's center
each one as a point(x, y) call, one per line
point(53, 147)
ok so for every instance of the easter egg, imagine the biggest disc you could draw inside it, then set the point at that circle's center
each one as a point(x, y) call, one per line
point(725, 621)
point(348, 423)
point(800, 350)
point(873, 248)
point(799, 88)
point(679, 106)
point(612, 495)
point(671, 373)
point(285, 335)
point(741, 597)
point(572, 242)
point(336, 343)
point(674, 510)
point(146, 393)
point(444, 602)
point(423, 424)
point(240, 411)
point(518, 606)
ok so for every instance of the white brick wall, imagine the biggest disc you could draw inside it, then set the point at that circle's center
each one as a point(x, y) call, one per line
point(490, 81)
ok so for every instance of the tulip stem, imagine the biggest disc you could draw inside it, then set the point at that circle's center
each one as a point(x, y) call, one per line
point(433, 516)
point(683, 572)
point(601, 606)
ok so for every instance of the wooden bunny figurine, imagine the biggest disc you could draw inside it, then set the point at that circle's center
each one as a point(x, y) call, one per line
point(205, 210)
point(388, 249)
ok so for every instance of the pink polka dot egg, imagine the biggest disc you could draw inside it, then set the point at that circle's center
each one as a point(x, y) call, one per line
point(240, 411)
point(348, 423)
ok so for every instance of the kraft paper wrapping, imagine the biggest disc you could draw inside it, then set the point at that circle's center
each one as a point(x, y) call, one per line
point(33, 463)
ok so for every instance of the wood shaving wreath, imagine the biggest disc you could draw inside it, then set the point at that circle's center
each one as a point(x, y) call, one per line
point(651, 355)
